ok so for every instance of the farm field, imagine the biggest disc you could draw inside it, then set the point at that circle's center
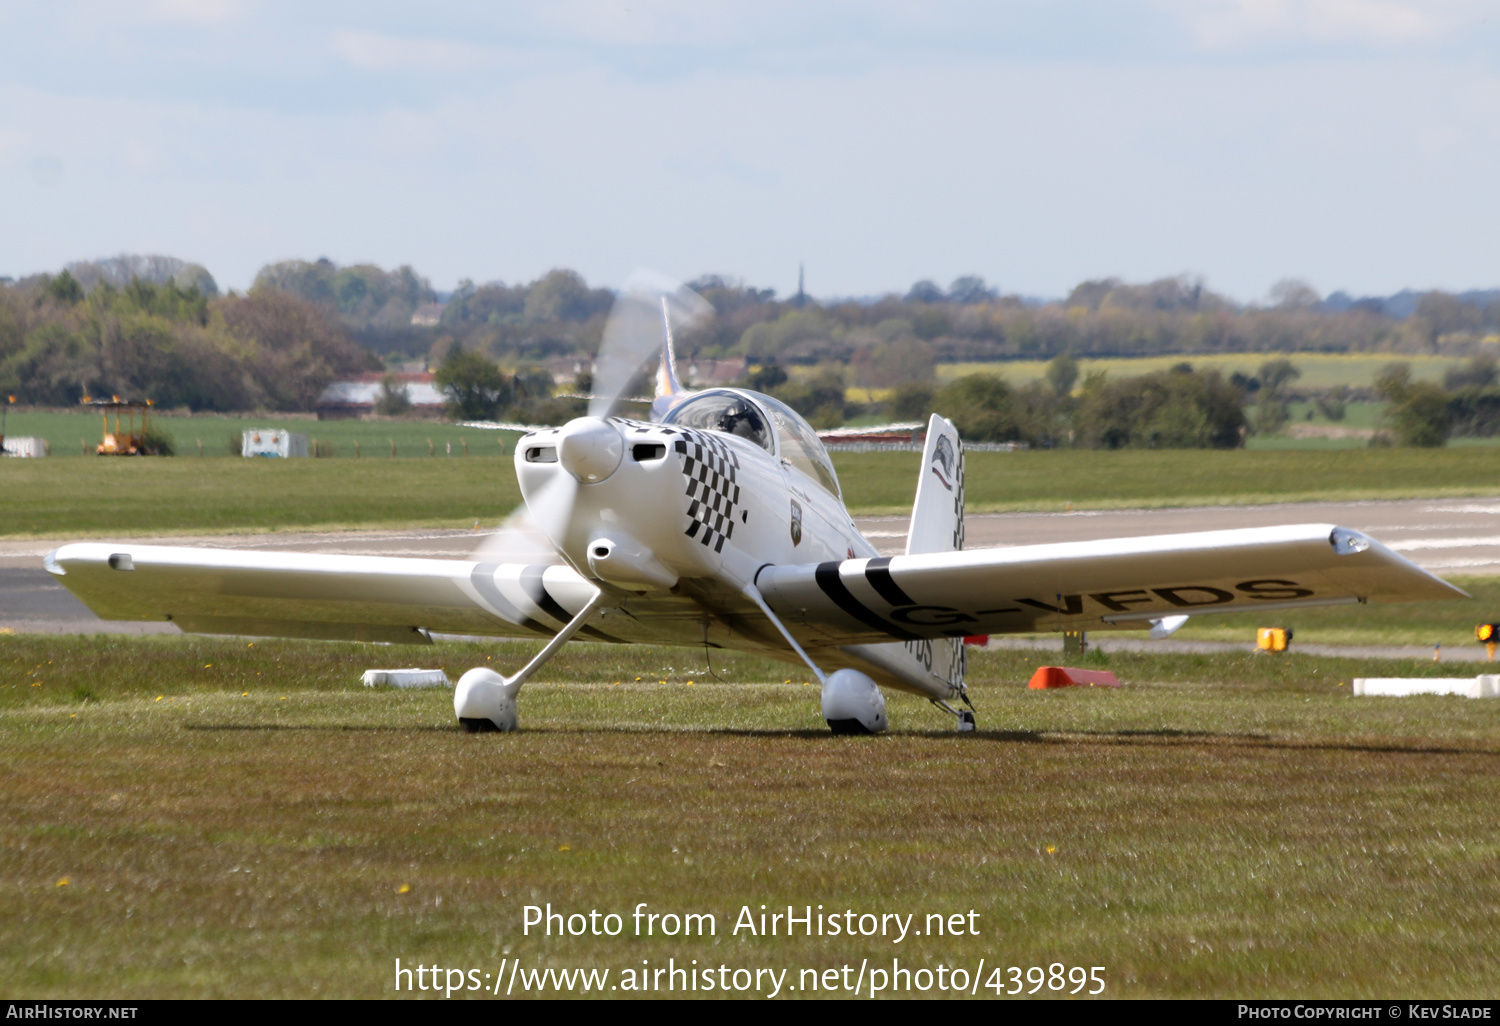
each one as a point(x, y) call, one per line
point(192, 817)
point(59, 498)
point(1319, 370)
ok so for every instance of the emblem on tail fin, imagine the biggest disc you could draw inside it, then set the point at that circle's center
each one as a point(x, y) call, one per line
point(942, 461)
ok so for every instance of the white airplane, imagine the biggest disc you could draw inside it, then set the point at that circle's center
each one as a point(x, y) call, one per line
point(719, 523)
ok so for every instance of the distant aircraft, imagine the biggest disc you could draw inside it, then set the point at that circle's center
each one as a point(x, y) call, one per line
point(719, 523)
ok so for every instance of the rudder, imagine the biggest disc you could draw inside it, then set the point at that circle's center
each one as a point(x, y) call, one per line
point(937, 523)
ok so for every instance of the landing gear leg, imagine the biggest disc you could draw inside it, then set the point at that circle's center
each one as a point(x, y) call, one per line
point(965, 716)
point(484, 700)
point(852, 702)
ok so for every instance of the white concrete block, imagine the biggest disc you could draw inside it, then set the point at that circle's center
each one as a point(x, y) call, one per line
point(412, 678)
point(1471, 687)
point(26, 448)
point(275, 443)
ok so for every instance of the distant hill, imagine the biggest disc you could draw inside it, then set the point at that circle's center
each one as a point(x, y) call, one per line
point(1403, 304)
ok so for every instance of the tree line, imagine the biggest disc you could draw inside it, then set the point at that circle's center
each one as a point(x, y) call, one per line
point(1421, 413)
point(1184, 408)
point(158, 327)
point(884, 340)
point(178, 346)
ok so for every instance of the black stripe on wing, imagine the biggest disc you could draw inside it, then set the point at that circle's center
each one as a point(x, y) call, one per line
point(483, 579)
point(877, 572)
point(827, 576)
point(536, 590)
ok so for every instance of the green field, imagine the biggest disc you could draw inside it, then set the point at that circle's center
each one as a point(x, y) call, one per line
point(885, 482)
point(206, 818)
point(148, 496)
point(76, 434)
point(1319, 370)
point(121, 496)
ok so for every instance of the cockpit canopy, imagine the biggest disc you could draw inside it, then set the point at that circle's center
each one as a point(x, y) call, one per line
point(770, 424)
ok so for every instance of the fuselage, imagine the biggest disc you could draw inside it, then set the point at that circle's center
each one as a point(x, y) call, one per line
point(727, 483)
point(675, 517)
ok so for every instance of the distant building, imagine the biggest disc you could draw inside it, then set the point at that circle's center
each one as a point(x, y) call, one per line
point(428, 315)
point(694, 373)
point(565, 369)
point(879, 436)
point(712, 372)
point(356, 397)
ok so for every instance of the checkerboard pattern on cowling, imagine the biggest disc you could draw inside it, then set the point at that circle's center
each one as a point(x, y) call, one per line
point(710, 467)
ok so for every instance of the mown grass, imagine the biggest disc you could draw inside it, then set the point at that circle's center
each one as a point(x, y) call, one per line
point(186, 494)
point(1219, 827)
point(995, 482)
point(158, 496)
point(77, 434)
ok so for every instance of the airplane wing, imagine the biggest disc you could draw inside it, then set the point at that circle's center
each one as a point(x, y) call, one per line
point(1120, 583)
point(1116, 583)
point(301, 595)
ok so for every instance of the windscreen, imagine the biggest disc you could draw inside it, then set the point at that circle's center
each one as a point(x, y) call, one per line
point(727, 412)
point(800, 444)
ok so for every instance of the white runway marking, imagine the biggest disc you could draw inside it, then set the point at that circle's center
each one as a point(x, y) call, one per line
point(1458, 564)
point(1411, 544)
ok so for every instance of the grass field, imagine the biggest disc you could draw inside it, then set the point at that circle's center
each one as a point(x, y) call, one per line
point(202, 817)
point(883, 482)
point(185, 494)
point(1319, 370)
point(76, 434)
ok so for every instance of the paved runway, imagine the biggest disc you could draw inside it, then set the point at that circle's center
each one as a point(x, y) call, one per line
point(1447, 536)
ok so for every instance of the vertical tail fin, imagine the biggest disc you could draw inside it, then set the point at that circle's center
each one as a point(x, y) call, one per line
point(937, 524)
point(937, 517)
point(668, 387)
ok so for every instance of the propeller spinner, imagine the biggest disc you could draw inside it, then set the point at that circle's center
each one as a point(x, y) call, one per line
point(589, 450)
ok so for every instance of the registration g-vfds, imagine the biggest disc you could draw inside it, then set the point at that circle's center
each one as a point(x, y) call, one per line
point(716, 520)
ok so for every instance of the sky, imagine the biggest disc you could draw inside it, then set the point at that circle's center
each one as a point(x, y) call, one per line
point(1354, 144)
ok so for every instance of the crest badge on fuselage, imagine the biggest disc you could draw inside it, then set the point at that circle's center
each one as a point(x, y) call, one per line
point(796, 523)
point(942, 461)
